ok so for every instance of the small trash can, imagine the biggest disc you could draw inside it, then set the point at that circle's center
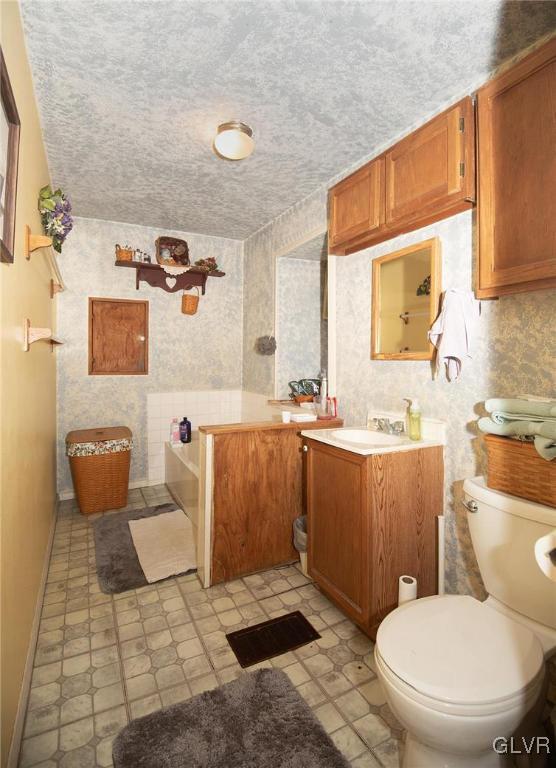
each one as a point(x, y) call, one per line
point(300, 540)
point(99, 462)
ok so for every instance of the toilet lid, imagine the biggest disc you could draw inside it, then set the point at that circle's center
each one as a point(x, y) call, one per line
point(457, 649)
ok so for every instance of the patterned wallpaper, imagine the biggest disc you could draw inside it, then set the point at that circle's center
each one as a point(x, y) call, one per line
point(298, 333)
point(196, 352)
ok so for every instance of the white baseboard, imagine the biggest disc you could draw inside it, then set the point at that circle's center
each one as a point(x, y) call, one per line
point(68, 493)
point(17, 734)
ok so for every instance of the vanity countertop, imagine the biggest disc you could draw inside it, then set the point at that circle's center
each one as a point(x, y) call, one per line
point(256, 426)
point(384, 443)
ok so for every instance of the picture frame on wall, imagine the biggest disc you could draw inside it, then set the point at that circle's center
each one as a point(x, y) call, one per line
point(9, 157)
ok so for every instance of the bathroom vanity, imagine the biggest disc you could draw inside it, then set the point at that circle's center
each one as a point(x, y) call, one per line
point(372, 509)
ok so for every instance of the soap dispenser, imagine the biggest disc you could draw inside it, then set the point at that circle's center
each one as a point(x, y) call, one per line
point(413, 419)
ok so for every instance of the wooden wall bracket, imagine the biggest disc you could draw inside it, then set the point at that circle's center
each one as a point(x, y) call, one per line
point(32, 334)
point(32, 242)
point(155, 276)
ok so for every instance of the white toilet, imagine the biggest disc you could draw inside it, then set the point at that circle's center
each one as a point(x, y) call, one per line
point(459, 673)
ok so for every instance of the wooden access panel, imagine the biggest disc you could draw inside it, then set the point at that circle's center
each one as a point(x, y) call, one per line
point(517, 177)
point(338, 527)
point(256, 502)
point(118, 337)
point(432, 169)
point(357, 204)
point(406, 498)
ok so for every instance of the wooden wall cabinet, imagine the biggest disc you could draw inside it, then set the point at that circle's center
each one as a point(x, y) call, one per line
point(431, 173)
point(357, 204)
point(516, 117)
point(118, 337)
point(426, 176)
point(372, 519)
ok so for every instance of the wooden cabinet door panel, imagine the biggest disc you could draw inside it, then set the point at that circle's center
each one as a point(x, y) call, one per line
point(254, 506)
point(517, 179)
point(118, 336)
point(431, 168)
point(406, 498)
point(357, 204)
point(338, 526)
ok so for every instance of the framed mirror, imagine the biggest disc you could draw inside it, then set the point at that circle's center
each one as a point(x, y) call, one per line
point(405, 295)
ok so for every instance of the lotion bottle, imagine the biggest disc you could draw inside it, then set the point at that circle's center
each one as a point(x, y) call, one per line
point(413, 419)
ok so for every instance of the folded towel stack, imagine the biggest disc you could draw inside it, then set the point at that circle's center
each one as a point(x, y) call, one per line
point(523, 419)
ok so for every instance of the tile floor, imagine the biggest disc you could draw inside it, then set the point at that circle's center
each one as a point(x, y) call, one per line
point(102, 660)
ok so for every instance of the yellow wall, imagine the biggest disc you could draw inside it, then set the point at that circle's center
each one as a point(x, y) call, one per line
point(28, 395)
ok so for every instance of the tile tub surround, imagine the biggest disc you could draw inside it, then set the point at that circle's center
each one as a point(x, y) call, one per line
point(200, 407)
point(102, 660)
point(194, 353)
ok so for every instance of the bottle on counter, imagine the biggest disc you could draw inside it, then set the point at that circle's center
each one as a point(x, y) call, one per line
point(185, 430)
point(413, 419)
point(175, 431)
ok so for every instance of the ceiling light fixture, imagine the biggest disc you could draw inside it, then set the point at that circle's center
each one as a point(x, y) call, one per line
point(234, 140)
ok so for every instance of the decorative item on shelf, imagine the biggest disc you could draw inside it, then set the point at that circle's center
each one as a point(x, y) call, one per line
point(425, 288)
point(265, 345)
point(171, 250)
point(124, 254)
point(190, 303)
point(55, 210)
point(304, 390)
point(140, 256)
point(207, 265)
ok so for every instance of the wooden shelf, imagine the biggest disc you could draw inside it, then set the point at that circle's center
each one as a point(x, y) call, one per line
point(31, 334)
point(155, 276)
point(32, 242)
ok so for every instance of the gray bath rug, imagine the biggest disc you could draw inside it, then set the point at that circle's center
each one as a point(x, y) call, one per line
point(118, 567)
point(257, 721)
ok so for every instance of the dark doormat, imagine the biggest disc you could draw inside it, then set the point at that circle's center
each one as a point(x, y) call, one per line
point(118, 567)
point(257, 721)
point(271, 638)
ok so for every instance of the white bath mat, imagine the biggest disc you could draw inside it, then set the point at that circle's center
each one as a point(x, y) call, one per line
point(165, 544)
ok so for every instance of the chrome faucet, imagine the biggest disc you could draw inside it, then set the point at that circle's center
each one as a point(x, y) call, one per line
point(389, 427)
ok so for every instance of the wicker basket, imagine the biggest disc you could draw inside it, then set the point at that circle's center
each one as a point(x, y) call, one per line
point(99, 462)
point(190, 303)
point(516, 468)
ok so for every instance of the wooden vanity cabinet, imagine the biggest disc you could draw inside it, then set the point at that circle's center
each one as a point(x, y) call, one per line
point(372, 519)
point(516, 115)
point(426, 176)
point(357, 204)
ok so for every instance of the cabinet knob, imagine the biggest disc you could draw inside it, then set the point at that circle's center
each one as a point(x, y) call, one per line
point(305, 448)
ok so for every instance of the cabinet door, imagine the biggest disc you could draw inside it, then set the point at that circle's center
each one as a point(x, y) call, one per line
point(517, 177)
point(432, 171)
point(118, 337)
point(338, 527)
point(357, 204)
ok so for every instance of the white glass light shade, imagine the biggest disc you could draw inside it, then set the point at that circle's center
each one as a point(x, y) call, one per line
point(234, 140)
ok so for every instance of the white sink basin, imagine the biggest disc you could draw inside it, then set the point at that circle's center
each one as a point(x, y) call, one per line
point(366, 437)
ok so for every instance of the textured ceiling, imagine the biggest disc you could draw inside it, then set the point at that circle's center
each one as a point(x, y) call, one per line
point(130, 93)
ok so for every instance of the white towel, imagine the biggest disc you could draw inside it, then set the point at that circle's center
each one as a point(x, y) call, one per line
point(453, 331)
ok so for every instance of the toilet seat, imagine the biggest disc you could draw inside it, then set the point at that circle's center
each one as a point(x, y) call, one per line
point(458, 654)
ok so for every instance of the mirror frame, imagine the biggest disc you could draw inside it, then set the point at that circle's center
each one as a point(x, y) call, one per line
point(436, 281)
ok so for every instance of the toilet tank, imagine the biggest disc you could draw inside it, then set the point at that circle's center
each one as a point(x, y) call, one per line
point(504, 531)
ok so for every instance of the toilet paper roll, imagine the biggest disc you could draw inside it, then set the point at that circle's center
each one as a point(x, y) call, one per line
point(545, 554)
point(407, 589)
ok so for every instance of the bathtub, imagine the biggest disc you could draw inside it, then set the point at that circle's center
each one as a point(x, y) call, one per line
point(182, 476)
